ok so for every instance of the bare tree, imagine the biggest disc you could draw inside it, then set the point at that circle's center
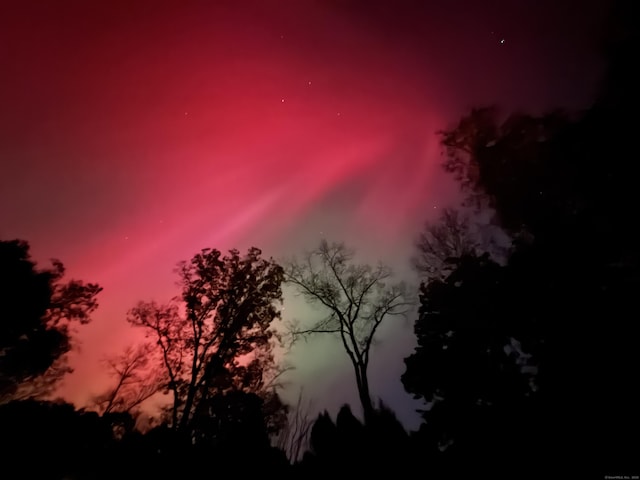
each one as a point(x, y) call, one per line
point(293, 439)
point(136, 380)
point(356, 298)
point(450, 237)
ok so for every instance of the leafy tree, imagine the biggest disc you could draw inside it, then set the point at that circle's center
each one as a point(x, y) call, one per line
point(38, 312)
point(439, 242)
point(561, 186)
point(478, 325)
point(476, 377)
point(216, 340)
point(357, 300)
point(512, 166)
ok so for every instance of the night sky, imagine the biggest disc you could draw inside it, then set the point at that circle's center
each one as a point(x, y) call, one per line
point(135, 133)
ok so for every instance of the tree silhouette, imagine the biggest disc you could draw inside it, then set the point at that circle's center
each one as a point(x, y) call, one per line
point(561, 185)
point(478, 325)
point(357, 300)
point(38, 312)
point(136, 380)
point(470, 366)
point(439, 242)
point(293, 438)
point(514, 166)
point(351, 446)
point(216, 339)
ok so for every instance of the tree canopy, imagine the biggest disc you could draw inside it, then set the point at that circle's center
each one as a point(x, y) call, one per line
point(216, 339)
point(538, 337)
point(38, 312)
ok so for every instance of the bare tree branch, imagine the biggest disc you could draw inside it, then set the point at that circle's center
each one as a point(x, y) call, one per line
point(136, 380)
point(451, 236)
point(294, 438)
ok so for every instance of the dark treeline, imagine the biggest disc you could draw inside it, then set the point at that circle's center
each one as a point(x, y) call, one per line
point(526, 354)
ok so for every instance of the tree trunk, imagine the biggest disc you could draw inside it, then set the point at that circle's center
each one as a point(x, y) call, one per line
point(175, 409)
point(188, 405)
point(363, 392)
